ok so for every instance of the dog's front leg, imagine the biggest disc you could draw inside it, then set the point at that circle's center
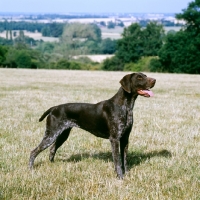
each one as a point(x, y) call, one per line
point(124, 150)
point(116, 158)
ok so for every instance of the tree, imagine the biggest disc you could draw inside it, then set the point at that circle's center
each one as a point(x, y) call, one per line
point(46, 47)
point(130, 47)
point(4, 41)
point(153, 39)
point(15, 34)
point(80, 39)
point(11, 35)
point(137, 42)
point(46, 32)
point(56, 29)
point(3, 51)
point(6, 34)
point(181, 51)
point(108, 46)
point(191, 15)
point(82, 31)
point(120, 23)
point(52, 30)
point(102, 23)
point(111, 25)
point(10, 58)
point(23, 59)
point(97, 32)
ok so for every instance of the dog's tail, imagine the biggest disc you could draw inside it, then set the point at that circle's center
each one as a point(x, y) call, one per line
point(46, 113)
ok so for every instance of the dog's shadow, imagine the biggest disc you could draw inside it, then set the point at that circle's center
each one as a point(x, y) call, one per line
point(133, 158)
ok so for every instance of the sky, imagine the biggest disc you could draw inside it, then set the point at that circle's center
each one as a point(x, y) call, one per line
point(94, 6)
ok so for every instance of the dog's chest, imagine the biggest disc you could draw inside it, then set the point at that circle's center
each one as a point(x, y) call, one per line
point(124, 120)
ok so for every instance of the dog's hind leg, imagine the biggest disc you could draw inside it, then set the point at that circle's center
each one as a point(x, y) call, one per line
point(53, 130)
point(48, 140)
point(59, 141)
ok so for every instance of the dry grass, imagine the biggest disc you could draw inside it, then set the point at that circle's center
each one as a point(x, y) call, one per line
point(164, 153)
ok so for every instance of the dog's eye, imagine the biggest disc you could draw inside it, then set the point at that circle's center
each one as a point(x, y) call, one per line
point(139, 78)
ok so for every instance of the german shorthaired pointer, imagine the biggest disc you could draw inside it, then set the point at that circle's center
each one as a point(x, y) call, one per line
point(110, 119)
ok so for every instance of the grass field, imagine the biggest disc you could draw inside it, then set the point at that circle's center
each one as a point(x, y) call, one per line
point(164, 148)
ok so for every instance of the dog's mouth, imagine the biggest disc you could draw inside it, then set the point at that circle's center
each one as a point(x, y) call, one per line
point(145, 93)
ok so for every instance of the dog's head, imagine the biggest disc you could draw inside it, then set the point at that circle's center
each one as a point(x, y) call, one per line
point(138, 83)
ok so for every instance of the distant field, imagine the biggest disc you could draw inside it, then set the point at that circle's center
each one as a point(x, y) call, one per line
point(35, 36)
point(164, 154)
point(112, 33)
point(175, 28)
point(96, 58)
point(106, 33)
point(116, 33)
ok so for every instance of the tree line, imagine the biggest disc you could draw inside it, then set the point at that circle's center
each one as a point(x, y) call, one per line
point(151, 49)
point(47, 29)
point(76, 39)
point(55, 29)
point(139, 49)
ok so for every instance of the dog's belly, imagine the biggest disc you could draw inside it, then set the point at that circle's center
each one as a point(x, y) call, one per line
point(97, 128)
point(98, 133)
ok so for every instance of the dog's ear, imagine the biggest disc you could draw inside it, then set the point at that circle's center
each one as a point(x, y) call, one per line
point(126, 83)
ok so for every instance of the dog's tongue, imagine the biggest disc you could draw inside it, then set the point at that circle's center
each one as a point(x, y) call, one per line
point(149, 92)
point(146, 93)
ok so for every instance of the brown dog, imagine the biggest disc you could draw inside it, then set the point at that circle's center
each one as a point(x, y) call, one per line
point(110, 119)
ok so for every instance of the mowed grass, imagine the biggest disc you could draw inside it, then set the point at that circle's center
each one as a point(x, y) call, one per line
point(164, 145)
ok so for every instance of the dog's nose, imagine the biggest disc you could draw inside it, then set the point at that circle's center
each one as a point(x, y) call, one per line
point(153, 80)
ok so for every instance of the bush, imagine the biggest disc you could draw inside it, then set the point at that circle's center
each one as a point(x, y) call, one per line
point(155, 65)
point(3, 51)
point(23, 59)
point(50, 65)
point(83, 59)
point(112, 64)
point(34, 64)
point(74, 65)
point(132, 67)
point(62, 64)
point(140, 65)
point(65, 64)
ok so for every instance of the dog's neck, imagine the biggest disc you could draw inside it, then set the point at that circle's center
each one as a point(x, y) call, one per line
point(124, 98)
